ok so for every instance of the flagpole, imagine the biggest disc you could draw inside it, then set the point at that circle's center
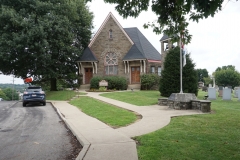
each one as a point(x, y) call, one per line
point(181, 63)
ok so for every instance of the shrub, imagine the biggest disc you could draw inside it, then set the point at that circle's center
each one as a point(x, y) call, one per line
point(114, 82)
point(149, 81)
point(94, 83)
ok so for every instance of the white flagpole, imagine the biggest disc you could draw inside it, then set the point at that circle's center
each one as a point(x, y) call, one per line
point(181, 91)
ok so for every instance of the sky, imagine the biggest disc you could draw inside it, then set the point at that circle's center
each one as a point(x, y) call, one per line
point(215, 40)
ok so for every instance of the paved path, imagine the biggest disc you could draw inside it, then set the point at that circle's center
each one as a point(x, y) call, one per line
point(101, 142)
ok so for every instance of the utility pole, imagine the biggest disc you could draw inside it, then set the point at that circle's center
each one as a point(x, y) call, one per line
point(13, 88)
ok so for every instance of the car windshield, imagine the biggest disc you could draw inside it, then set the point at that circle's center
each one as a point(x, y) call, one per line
point(34, 90)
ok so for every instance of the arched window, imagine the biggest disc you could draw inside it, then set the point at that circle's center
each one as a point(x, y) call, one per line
point(111, 64)
point(110, 34)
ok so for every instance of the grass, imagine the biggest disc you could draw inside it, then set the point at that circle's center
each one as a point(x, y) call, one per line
point(109, 114)
point(61, 95)
point(139, 98)
point(209, 136)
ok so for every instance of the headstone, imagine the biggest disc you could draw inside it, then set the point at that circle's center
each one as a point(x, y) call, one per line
point(220, 91)
point(227, 95)
point(239, 94)
point(204, 88)
point(210, 85)
point(236, 92)
point(200, 84)
point(211, 93)
point(230, 88)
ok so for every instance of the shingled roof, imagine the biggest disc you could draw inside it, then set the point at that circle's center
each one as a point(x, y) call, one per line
point(142, 48)
point(87, 56)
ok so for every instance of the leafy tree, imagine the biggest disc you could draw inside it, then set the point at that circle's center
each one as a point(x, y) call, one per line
point(202, 73)
point(227, 76)
point(3, 95)
point(171, 15)
point(43, 38)
point(11, 94)
point(226, 67)
point(207, 81)
point(170, 81)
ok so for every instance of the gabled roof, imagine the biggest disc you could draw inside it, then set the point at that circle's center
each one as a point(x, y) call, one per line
point(110, 15)
point(87, 56)
point(165, 37)
point(142, 48)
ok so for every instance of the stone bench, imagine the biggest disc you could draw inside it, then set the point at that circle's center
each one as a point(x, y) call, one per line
point(196, 104)
point(205, 105)
point(163, 101)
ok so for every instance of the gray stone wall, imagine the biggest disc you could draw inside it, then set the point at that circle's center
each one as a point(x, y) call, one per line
point(119, 44)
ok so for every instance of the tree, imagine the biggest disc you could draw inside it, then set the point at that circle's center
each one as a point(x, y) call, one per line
point(43, 38)
point(170, 80)
point(11, 94)
point(3, 95)
point(171, 14)
point(227, 76)
point(202, 73)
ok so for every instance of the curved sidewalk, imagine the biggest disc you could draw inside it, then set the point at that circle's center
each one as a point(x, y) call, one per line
point(153, 117)
point(100, 141)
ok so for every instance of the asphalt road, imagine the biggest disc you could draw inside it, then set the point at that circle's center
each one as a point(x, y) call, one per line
point(33, 132)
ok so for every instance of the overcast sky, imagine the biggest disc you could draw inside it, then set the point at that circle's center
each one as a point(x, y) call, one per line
point(215, 41)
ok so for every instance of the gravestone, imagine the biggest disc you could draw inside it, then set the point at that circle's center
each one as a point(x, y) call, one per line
point(210, 86)
point(230, 88)
point(227, 95)
point(211, 93)
point(200, 84)
point(220, 91)
point(204, 88)
point(239, 94)
point(236, 92)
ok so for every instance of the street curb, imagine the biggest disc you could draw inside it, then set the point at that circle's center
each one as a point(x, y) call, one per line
point(86, 145)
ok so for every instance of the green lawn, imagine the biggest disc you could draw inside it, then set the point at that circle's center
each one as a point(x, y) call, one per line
point(139, 98)
point(214, 136)
point(61, 95)
point(109, 114)
point(210, 136)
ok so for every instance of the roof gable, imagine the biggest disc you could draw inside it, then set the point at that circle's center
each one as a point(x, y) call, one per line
point(146, 49)
point(110, 15)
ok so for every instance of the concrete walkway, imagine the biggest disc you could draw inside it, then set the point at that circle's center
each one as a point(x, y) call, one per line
point(101, 142)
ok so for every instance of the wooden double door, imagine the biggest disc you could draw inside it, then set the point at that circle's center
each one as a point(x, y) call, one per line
point(88, 75)
point(135, 74)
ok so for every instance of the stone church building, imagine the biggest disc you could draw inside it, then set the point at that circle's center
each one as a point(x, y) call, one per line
point(117, 51)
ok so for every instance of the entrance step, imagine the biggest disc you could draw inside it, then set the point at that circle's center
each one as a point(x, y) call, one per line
point(84, 87)
point(134, 86)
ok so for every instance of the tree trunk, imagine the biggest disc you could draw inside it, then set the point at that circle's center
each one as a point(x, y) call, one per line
point(53, 84)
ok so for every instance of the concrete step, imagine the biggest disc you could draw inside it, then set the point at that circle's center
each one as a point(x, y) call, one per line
point(134, 86)
point(84, 86)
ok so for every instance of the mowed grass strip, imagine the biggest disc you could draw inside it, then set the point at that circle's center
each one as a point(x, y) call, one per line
point(210, 136)
point(62, 95)
point(109, 114)
point(139, 98)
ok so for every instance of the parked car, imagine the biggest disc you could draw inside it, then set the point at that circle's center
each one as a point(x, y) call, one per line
point(34, 94)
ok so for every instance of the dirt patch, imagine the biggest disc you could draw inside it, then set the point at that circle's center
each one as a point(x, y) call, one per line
point(76, 147)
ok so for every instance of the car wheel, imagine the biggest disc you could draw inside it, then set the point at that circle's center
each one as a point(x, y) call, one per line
point(44, 103)
point(24, 104)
